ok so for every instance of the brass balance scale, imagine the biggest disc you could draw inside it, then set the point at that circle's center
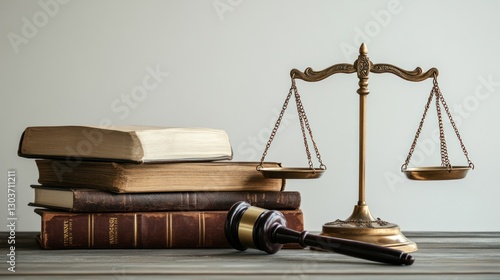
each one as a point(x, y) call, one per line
point(361, 225)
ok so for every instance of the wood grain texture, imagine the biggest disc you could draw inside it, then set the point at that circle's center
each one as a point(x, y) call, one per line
point(441, 255)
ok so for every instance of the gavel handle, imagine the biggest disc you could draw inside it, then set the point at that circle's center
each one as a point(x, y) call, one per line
point(343, 246)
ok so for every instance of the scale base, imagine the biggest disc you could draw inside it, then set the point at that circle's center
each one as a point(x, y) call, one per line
point(361, 226)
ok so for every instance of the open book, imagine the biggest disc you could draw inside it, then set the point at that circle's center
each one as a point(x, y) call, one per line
point(125, 143)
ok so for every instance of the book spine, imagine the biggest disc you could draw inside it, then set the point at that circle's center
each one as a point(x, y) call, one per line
point(145, 230)
point(93, 201)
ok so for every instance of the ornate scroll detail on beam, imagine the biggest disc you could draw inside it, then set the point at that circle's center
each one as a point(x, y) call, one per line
point(416, 75)
point(309, 75)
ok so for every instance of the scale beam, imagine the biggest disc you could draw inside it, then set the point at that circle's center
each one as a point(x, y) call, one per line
point(363, 66)
point(413, 76)
point(309, 75)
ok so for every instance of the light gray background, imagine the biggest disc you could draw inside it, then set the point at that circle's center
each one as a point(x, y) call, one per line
point(225, 64)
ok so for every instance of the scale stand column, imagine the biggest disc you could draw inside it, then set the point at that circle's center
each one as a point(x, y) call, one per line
point(361, 225)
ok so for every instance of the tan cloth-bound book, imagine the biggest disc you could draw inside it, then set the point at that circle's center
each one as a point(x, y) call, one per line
point(158, 177)
point(125, 143)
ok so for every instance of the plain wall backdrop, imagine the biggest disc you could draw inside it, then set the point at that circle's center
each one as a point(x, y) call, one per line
point(225, 64)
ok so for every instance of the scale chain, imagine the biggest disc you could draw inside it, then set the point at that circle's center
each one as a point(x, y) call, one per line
point(304, 124)
point(419, 130)
point(277, 124)
point(445, 162)
point(445, 106)
point(443, 148)
point(305, 121)
point(300, 111)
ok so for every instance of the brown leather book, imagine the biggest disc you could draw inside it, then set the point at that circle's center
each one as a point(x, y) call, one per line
point(151, 230)
point(158, 177)
point(92, 200)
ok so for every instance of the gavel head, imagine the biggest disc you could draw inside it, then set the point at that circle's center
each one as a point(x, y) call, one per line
point(247, 226)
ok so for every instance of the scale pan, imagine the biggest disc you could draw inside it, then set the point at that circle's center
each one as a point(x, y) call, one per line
point(436, 173)
point(291, 173)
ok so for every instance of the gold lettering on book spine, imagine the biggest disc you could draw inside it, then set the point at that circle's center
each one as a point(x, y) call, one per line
point(68, 232)
point(113, 230)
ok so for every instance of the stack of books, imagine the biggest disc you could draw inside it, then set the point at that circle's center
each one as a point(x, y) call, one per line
point(143, 187)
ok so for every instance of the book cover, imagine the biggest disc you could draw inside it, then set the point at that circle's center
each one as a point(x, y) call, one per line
point(125, 143)
point(158, 177)
point(151, 230)
point(92, 200)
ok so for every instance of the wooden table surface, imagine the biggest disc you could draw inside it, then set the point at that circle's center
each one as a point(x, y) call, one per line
point(441, 255)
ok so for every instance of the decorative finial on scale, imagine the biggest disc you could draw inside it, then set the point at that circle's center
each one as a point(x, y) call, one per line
point(363, 50)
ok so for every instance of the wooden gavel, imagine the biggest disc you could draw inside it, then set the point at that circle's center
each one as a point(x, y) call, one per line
point(247, 226)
